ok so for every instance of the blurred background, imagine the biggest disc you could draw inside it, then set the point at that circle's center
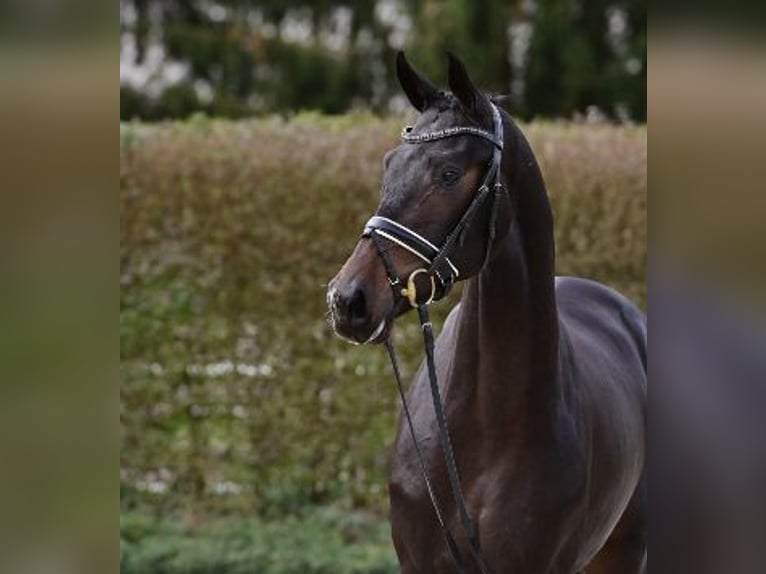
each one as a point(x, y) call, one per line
point(251, 140)
point(233, 58)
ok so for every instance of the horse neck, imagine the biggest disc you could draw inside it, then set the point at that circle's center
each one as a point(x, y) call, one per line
point(508, 332)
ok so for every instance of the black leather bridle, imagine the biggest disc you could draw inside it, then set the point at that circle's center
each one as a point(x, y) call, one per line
point(440, 269)
point(441, 272)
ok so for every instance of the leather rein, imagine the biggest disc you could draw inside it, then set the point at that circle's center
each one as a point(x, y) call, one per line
point(440, 273)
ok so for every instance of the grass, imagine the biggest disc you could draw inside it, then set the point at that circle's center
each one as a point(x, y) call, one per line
point(321, 541)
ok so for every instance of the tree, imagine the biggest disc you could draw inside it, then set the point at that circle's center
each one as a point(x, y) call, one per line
point(578, 59)
point(476, 30)
point(239, 50)
point(249, 57)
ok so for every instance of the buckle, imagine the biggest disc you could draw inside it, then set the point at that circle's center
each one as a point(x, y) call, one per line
point(411, 291)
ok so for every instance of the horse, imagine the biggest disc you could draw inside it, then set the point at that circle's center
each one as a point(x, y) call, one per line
point(543, 378)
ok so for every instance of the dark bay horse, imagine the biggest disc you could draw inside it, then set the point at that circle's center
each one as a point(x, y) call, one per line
point(543, 377)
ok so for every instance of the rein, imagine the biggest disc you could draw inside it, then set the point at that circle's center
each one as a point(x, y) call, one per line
point(441, 274)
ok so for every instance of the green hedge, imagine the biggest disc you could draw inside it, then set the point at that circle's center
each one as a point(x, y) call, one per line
point(235, 396)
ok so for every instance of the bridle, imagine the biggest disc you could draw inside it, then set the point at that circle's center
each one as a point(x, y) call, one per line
point(441, 273)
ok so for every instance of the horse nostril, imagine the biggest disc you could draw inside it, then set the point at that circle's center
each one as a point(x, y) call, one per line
point(357, 308)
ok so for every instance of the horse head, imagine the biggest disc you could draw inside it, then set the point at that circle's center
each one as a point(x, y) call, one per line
point(426, 194)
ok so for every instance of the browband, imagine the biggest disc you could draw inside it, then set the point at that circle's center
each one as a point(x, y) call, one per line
point(409, 137)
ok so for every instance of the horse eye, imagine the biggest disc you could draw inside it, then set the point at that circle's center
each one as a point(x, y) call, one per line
point(450, 175)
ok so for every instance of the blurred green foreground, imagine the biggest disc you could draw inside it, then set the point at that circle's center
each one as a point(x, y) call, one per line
point(252, 439)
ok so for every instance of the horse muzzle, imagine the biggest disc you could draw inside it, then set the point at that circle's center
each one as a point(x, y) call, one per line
point(352, 316)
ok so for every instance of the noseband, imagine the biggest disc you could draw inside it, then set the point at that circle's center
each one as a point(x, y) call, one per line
point(440, 269)
point(442, 274)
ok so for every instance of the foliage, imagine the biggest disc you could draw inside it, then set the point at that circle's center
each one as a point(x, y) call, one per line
point(323, 541)
point(573, 65)
point(476, 31)
point(254, 67)
point(582, 53)
point(236, 398)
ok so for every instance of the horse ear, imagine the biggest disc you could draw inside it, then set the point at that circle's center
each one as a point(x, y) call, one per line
point(418, 90)
point(475, 103)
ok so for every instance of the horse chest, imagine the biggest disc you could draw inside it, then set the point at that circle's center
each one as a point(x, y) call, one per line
point(415, 528)
point(516, 500)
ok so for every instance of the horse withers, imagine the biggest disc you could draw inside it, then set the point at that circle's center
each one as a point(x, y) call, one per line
point(543, 378)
